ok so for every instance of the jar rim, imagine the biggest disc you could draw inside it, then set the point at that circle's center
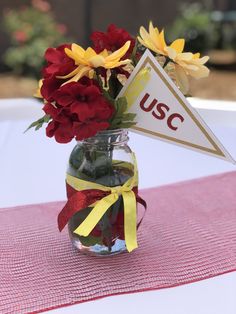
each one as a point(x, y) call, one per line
point(112, 132)
point(109, 137)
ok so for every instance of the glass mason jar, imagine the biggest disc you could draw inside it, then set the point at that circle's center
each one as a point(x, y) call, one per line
point(105, 159)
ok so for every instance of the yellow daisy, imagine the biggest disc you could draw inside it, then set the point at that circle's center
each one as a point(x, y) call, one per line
point(153, 40)
point(87, 60)
point(186, 63)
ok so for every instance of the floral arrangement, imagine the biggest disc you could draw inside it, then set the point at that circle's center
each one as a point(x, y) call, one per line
point(80, 86)
point(28, 39)
point(80, 89)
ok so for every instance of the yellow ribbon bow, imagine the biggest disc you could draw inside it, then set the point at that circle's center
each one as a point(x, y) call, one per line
point(101, 206)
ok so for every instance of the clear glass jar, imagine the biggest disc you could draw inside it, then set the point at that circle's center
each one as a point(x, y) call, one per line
point(105, 159)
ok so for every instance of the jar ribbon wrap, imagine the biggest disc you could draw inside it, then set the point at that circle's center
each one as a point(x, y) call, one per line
point(82, 194)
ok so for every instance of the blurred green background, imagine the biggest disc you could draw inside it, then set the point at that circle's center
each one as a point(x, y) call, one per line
point(29, 27)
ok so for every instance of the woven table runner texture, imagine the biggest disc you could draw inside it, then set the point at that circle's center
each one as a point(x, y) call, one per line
point(188, 234)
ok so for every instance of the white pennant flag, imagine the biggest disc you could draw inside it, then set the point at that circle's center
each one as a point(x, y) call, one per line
point(163, 112)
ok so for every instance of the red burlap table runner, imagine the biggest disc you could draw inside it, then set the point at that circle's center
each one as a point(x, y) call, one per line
point(188, 234)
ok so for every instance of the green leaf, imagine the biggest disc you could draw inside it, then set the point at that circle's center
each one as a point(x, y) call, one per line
point(115, 208)
point(117, 120)
point(107, 238)
point(38, 127)
point(104, 223)
point(39, 123)
point(128, 116)
point(90, 240)
point(133, 55)
point(114, 84)
point(47, 118)
point(121, 104)
point(127, 125)
point(121, 118)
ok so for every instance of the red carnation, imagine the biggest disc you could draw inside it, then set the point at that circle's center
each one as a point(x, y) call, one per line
point(112, 40)
point(63, 132)
point(58, 114)
point(50, 85)
point(80, 111)
point(58, 63)
point(89, 128)
point(87, 102)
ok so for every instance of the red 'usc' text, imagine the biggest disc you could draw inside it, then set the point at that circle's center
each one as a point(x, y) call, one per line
point(160, 111)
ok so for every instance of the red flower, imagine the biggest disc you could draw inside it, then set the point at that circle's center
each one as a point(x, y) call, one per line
point(89, 128)
point(80, 111)
point(58, 114)
point(50, 85)
point(114, 39)
point(58, 63)
point(63, 132)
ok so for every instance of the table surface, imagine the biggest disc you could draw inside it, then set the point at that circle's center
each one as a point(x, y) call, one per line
point(33, 166)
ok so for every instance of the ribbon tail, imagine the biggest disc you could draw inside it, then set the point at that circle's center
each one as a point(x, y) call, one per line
point(95, 215)
point(74, 203)
point(130, 215)
point(141, 201)
point(144, 204)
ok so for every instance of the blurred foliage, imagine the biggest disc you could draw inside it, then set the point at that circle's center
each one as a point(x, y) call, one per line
point(226, 25)
point(195, 25)
point(31, 29)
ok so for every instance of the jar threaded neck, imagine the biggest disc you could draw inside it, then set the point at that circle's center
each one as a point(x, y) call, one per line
point(109, 138)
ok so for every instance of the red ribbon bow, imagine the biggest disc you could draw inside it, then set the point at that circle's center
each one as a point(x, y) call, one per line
point(78, 200)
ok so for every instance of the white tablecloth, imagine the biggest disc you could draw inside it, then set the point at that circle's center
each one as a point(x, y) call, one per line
point(32, 169)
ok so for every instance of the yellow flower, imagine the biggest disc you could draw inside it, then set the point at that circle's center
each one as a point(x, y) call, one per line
point(154, 40)
point(38, 92)
point(87, 60)
point(192, 64)
point(186, 63)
